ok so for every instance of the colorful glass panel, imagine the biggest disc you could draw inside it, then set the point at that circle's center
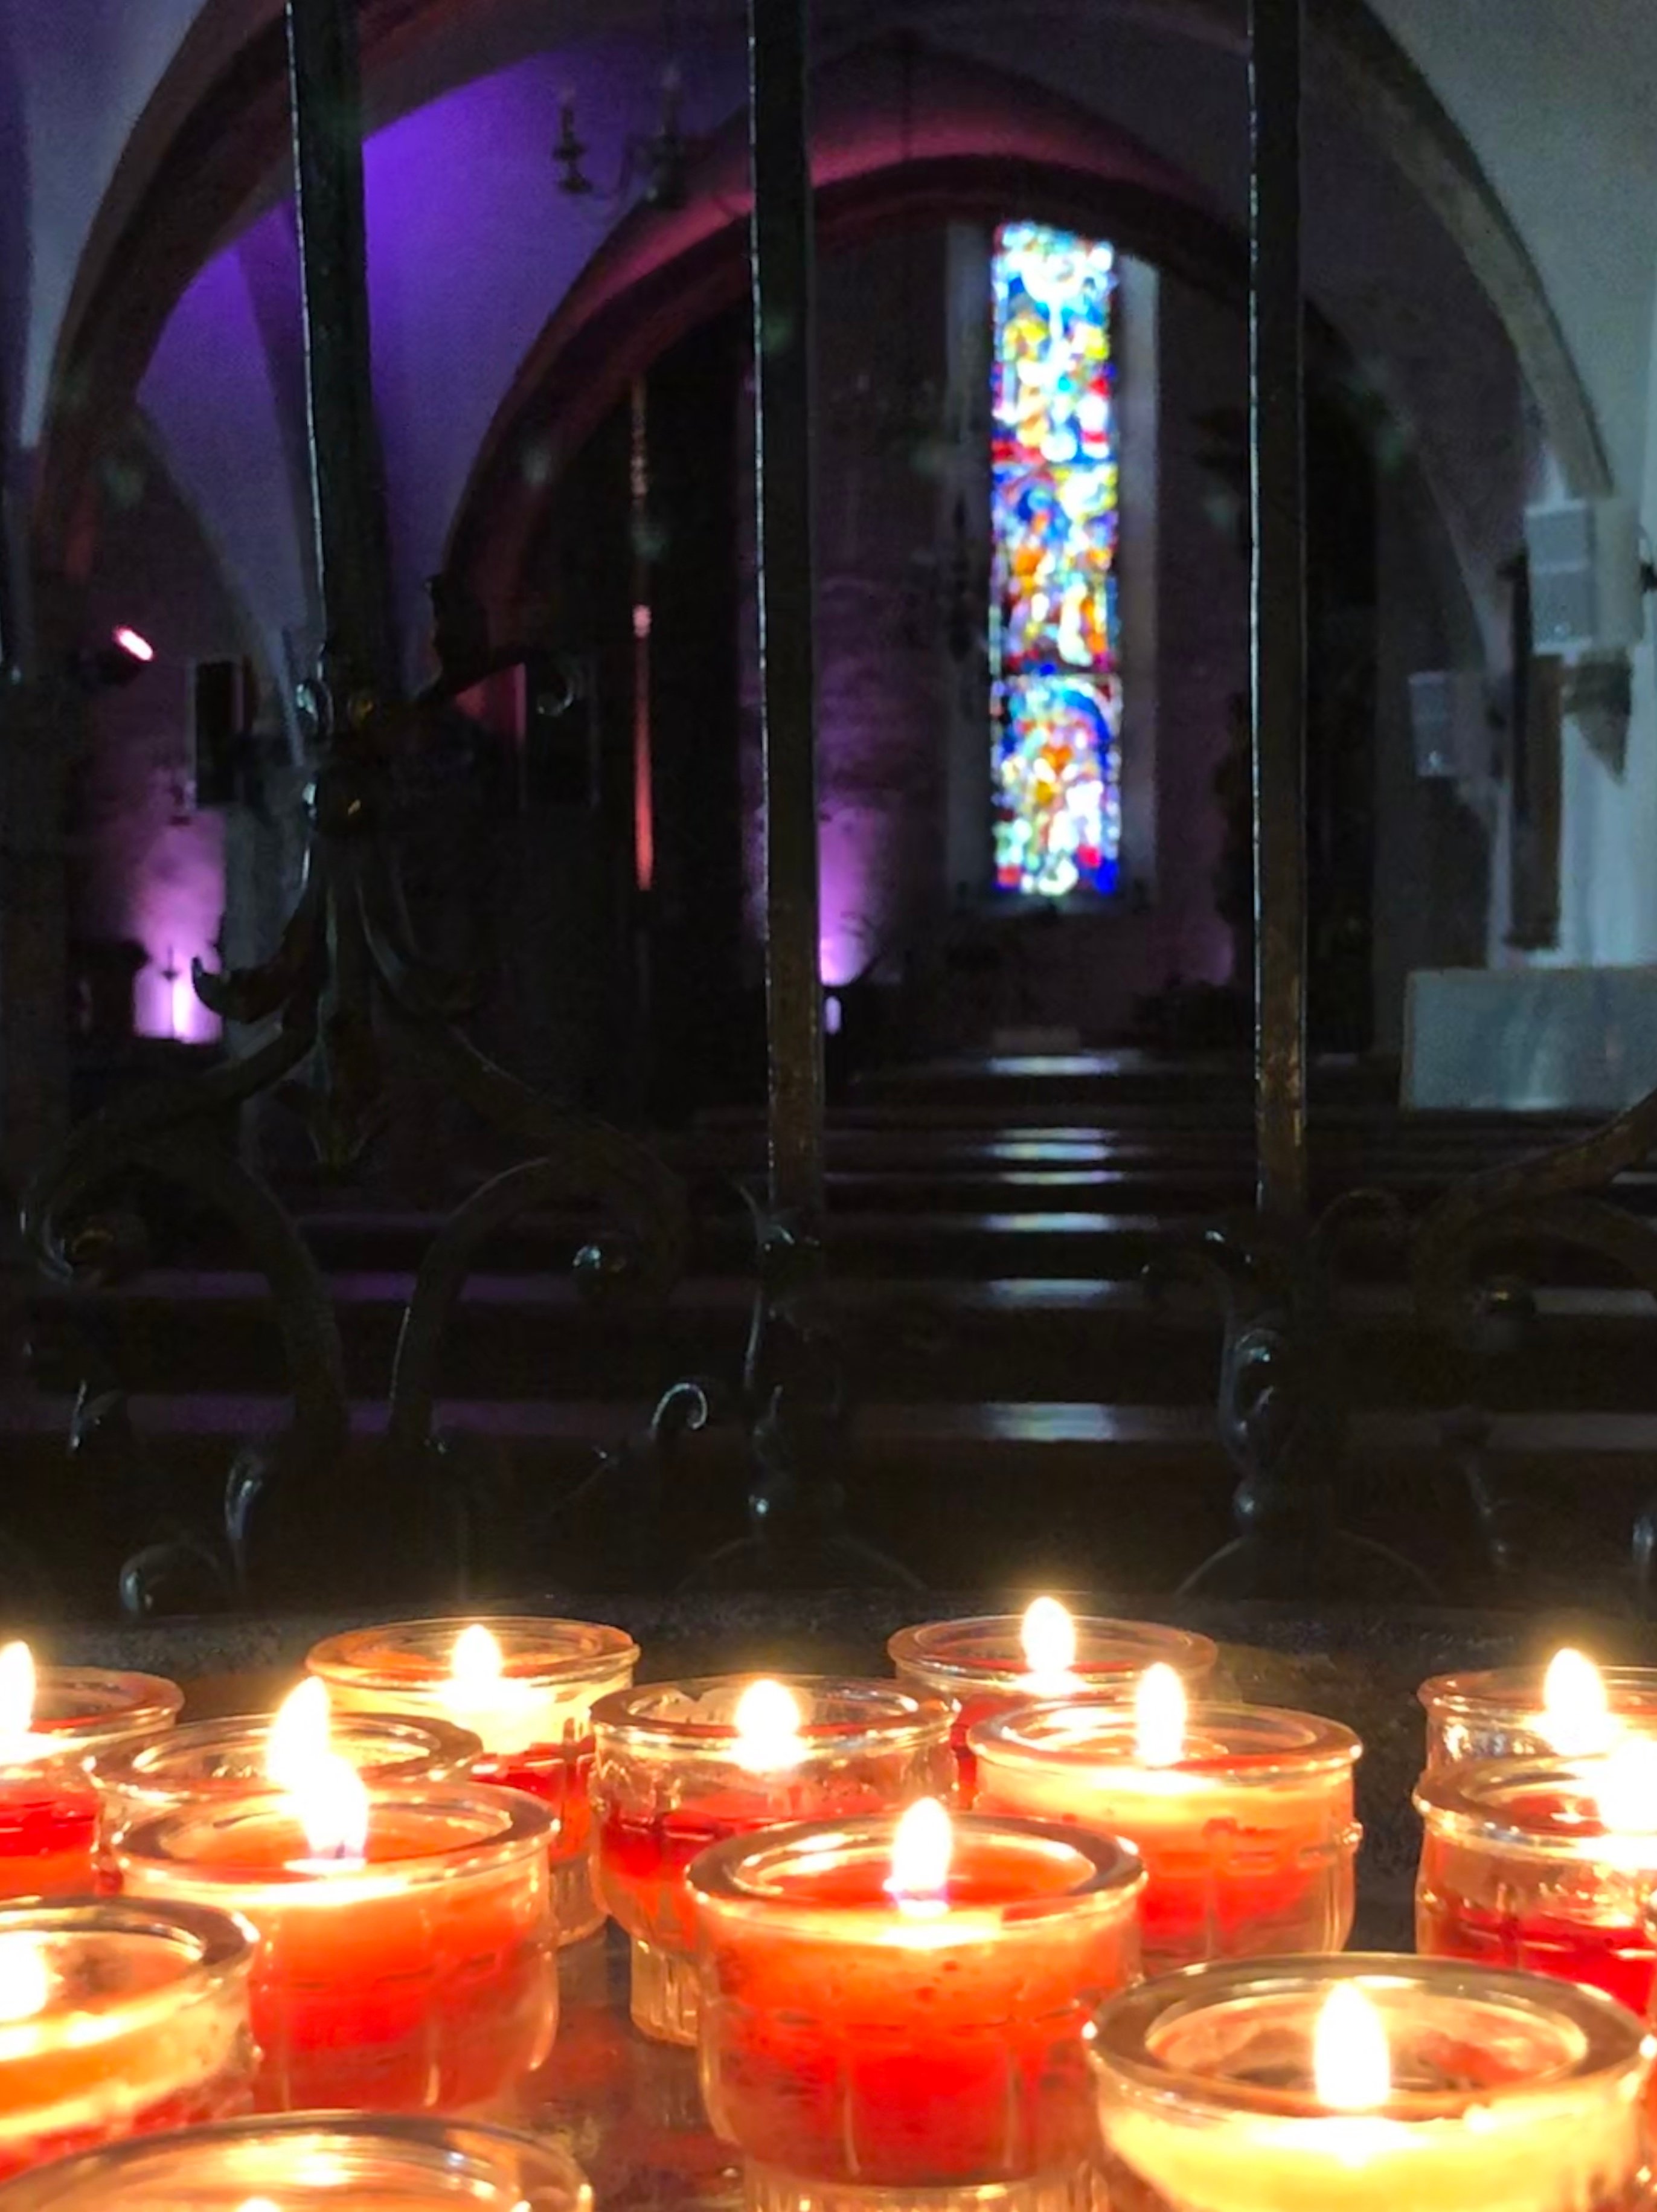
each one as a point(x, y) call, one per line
point(1056, 694)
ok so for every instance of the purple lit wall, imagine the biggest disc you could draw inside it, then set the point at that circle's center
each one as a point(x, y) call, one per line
point(472, 248)
point(150, 869)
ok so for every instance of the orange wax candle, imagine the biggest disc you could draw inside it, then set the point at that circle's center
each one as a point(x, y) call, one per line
point(679, 1765)
point(526, 1687)
point(83, 1709)
point(115, 2018)
point(1369, 2085)
point(984, 1667)
point(418, 1971)
point(1243, 1816)
point(322, 2161)
point(859, 2034)
point(1570, 1707)
point(224, 1758)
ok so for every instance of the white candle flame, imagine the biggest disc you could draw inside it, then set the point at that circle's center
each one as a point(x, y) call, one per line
point(16, 1696)
point(1159, 1717)
point(24, 1977)
point(923, 1845)
point(299, 1735)
point(1047, 1634)
point(1351, 2065)
point(478, 1663)
point(768, 1722)
point(1575, 1708)
point(1626, 1788)
point(328, 1798)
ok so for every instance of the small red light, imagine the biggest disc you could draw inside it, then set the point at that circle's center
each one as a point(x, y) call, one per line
point(138, 647)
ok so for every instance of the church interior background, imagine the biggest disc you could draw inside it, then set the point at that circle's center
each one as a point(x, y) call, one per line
point(1036, 934)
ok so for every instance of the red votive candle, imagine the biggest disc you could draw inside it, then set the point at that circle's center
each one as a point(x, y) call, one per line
point(526, 1687)
point(413, 1967)
point(319, 2162)
point(219, 1760)
point(678, 1767)
point(862, 2040)
point(116, 2018)
point(1570, 1708)
point(48, 1724)
point(1545, 1864)
point(1242, 1814)
point(984, 1667)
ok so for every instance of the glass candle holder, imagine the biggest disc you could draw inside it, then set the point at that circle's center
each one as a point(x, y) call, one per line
point(864, 2051)
point(1509, 2093)
point(533, 1718)
point(83, 1708)
point(48, 1810)
point(316, 2163)
point(1518, 1869)
point(672, 1775)
point(206, 1760)
point(978, 1668)
point(1248, 1837)
point(422, 1974)
point(117, 2018)
point(1497, 1712)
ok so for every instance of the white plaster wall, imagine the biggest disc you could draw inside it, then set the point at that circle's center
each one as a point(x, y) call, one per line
point(1556, 102)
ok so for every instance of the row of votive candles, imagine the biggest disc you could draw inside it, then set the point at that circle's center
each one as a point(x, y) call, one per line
point(883, 2000)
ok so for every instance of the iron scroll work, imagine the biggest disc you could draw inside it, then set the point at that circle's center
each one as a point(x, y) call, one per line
point(347, 978)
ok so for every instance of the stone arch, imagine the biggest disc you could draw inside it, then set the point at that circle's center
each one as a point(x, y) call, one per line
point(212, 142)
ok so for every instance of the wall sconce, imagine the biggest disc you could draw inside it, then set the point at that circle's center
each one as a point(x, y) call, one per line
point(661, 158)
point(1587, 578)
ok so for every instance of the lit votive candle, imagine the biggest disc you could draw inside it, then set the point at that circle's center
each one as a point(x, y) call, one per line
point(218, 1758)
point(981, 1668)
point(1570, 1706)
point(526, 1687)
point(48, 1810)
point(406, 1956)
point(318, 2163)
point(1242, 1814)
point(1369, 2085)
point(679, 1765)
point(897, 2005)
point(1547, 1864)
point(115, 2018)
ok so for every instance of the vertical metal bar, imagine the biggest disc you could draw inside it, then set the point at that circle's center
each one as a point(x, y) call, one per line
point(1276, 377)
point(781, 248)
point(347, 483)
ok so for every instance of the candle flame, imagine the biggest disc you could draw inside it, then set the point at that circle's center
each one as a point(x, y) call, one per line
point(17, 1693)
point(24, 1977)
point(1627, 1789)
point(299, 1735)
point(1351, 2065)
point(1048, 1635)
point(478, 1662)
point(332, 1801)
point(923, 1845)
point(1575, 1708)
point(1159, 1717)
point(767, 1719)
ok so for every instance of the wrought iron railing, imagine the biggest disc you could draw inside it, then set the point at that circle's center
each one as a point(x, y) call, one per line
point(347, 983)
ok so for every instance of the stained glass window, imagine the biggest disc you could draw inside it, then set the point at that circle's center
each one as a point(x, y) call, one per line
point(1056, 694)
